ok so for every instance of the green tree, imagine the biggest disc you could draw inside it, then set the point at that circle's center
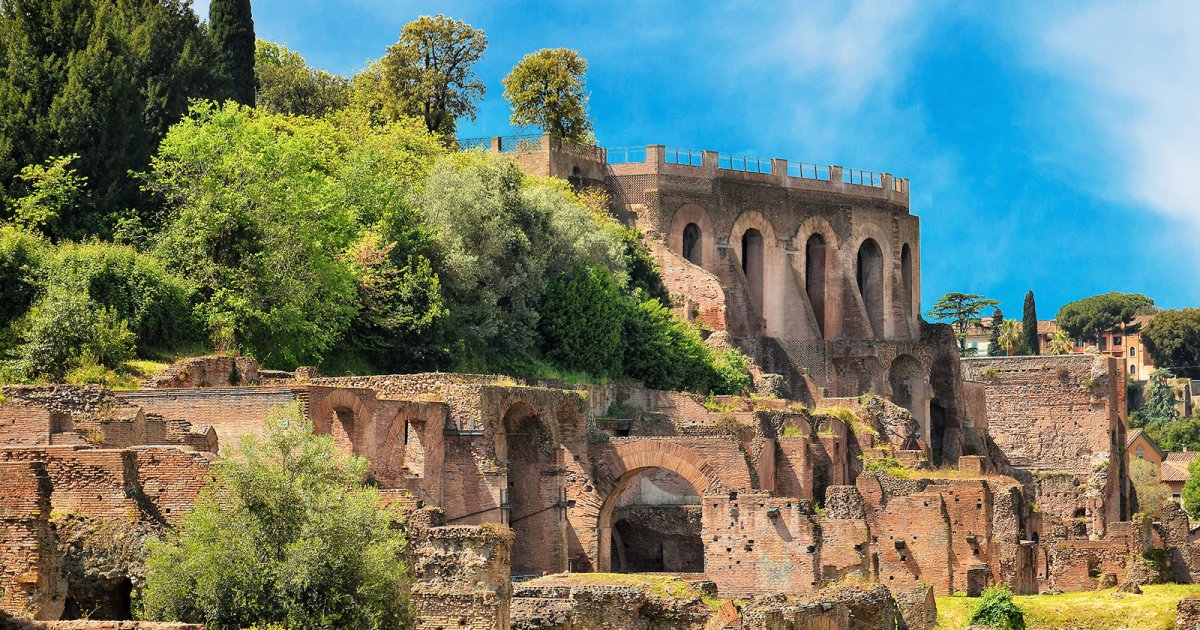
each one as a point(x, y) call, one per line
point(1173, 340)
point(581, 322)
point(994, 348)
point(101, 80)
point(1010, 336)
point(1029, 327)
point(960, 310)
point(1191, 490)
point(1091, 316)
point(548, 89)
point(287, 85)
point(231, 27)
point(429, 73)
point(21, 254)
point(1151, 492)
point(259, 224)
point(287, 534)
point(1177, 435)
point(1159, 403)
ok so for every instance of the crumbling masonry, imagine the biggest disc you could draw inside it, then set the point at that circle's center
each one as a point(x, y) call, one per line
point(871, 453)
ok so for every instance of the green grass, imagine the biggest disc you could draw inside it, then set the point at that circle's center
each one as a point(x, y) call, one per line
point(1154, 609)
point(660, 585)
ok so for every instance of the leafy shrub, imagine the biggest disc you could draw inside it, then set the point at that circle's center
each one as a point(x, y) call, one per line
point(662, 351)
point(731, 374)
point(997, 610)
point(63, 327)
point(156, 304)
point(20, 256)
point(286, 534)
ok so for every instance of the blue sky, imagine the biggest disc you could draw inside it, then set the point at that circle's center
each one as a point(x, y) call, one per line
point(1051, 146)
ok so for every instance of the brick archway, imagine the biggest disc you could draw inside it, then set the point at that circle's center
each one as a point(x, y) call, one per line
point(627, 460)
point(352, 413)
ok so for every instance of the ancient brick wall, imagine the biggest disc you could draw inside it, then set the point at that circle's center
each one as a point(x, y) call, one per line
point(30, 583)
point(1076, 565)
point(754, 544)
point(25, 424)
point(913, 543)
point(232, 412)
point(1187, 615)
point(170, 478)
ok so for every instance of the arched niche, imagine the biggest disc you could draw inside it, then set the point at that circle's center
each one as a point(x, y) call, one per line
point(907, 299)
point(692, 230)
point(869, 278)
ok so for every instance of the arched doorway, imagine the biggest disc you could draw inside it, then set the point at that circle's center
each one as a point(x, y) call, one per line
point(532, 502)
point(869, 275)
point(656, 525)
point(752, 265)
point(692, 249)
point(814, 277)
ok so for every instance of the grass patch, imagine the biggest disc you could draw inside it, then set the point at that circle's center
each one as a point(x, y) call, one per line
point(1154, 609)
point(660, 585)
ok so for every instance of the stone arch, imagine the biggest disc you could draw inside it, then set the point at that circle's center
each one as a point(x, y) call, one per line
point(820, 274)
point(692, 251)
point(530, 502)
point(704, 250)
point(627, 460)
point(869, 277)
point(342, 414)
point(758, 254)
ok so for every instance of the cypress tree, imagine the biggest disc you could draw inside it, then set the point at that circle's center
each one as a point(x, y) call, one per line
point(1029, 326)
point(232, 29)
point(994, 349)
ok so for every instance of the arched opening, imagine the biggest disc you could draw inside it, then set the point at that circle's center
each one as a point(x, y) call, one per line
point(341, 427)
point(752, 264)
point(691, 244)
point(532, 501)
point(656, 525)
point(814, 277)
point(909, 388)
point(869, 274)
point(906, 282)
point(937, 429)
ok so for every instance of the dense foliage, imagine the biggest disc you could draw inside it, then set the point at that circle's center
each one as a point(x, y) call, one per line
point(1173, 339)
point(996, 610)
point(1191, 490)
point(1148, 487)
point(548, 89)
point(330, 225)
point(1087, 318)
point(287, 534)
point(994, 349)
point(101, 80)
point(231, 27)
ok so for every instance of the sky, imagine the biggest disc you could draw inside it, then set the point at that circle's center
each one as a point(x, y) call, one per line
point(1052, 146)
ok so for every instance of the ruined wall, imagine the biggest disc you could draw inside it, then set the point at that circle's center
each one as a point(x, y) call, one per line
point(461, 577)
point(207, 371)
point(30, 580)
point(754, 543)
point(232, 412)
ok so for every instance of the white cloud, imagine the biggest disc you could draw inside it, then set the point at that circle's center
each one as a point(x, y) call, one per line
point(1137, 65)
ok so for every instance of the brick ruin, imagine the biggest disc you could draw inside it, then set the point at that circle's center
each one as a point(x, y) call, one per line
point(872, 470)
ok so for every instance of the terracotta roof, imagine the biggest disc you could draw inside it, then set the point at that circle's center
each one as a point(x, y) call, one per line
point(1175, 465)
point(1047, 326)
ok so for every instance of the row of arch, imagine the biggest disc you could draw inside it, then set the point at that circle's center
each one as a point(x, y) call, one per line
point(820, 254)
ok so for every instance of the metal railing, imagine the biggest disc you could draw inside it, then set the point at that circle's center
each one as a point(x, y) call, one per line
point(626, 155)
point(686, 157)
point(804, 170)
point(745, 163)
point(521, 144)
point(468, 144)
point(862, 178)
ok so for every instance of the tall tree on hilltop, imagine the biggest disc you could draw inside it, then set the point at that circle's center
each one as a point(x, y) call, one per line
point(231, 27)
point(548, 88)
point(960, 310)
point(994, 349)
point(1029, 326)
point(1173, 340)
point(429, 73)
point(1091, 316)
